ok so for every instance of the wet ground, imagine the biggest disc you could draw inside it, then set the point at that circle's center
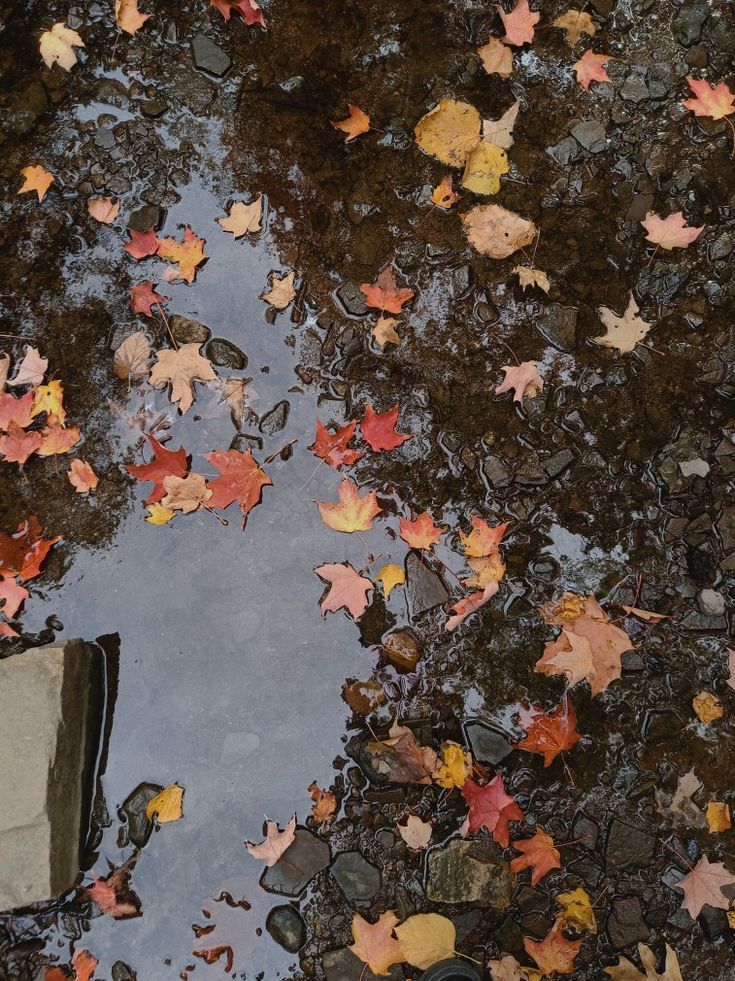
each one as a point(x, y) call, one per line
point(230, 682)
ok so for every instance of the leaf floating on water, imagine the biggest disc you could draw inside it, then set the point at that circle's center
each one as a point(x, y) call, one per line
point(485, 166)
point(275, 842)
point(281, 292)
point(180, 368)
point(185, 494)
point(391, 576)
point(715, 102)
point(36, 178)
point(348, 589)
point(497, 58)
point(385, 333)
point(103, 210)
point(499, 132)
point(352, 512)
point(426, 939)
point(531, 277)
point(378, 429)
point(449, 132)
point(325, 803)
point(31, 369)
point(188, 255)
point(522, 379)
point(82, 477)
point(159, 515)
point(132, 357)
point(707, 707)
point(385, 294)
point(670, 233)
point(443, 195)
point(240, 479)
point(356, 124)
point(243, 219)
point(167, 806)
point(591, 68)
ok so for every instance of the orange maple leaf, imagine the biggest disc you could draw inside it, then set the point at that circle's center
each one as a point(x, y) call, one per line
point(128, 17)
point(378, 429)
point(113, 894)
point(352, 513)
point(538, 853)
point(325, 803)
point(348, 589)
point(12, 594)
point(549, 734)
point(421, 532)
point(375, 944)
point(240, 479)
point(713, 101)
point(483, 539)
point(83, 966)
point(81, 476)
point(143, 296)
point(58, 439)
point(36, 179)
point(248, 10)
point(553, 954)
point(384, 294)
point(22, 553)
point(141, 244)
point(491, 808)
point(591, 68)
point(443, 195)
point(165, 463)
point(332, 447)
point(17, 410)
point(17, 445)
point(519, 24)
point(356, 123)
point(188, 254)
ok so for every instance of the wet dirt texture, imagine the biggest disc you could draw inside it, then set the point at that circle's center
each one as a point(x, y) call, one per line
point(230, 682)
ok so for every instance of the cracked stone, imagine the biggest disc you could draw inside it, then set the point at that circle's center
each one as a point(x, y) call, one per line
point(466, 872)
point(590, 134)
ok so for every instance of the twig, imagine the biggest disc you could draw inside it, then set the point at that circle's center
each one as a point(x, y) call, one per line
point(168, 326)
point(222, 521)
point(309, 480)
point(272, 457)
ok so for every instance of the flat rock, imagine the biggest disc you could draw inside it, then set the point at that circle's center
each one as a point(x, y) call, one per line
point(188, 331)
point(687, 25)
point(488, 745)
point(134, 808)
point(625, 924)
point(558, 325)
point(495, 471)
point(225, 354)
point(209, 57)
point(467, 872)
point(424, 587)
point(275, 419)
point(628, 846)
point(355, 876)
point(298, 865)
point(342, 965)
point(352, 299)
point(590, 134)
point(726, 527)
point(634, 89)
point(711, 603)
point(285, 925)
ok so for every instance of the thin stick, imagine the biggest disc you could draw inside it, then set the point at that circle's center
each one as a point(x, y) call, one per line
point(653, 256)
point(654, 349)
point(681, 857)
point(313, 474)
point(271, 458)
point(168, 326)
point(222, 521)
point(513, 353)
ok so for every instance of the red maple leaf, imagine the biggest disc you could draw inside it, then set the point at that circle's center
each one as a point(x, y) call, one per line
point(491, 808)
point(379, 429)
point(143, 296)
point(141, 244)
point(17, 445)
point(241, 480)
point(113, 894)
point(165, 463)
point(15, 410)
point(538, 853)
point(385, 294)
point(550, 733)
point(248, 9)
point(83, 966)
point(421, 532)
point(22, 553)
point(332, 447)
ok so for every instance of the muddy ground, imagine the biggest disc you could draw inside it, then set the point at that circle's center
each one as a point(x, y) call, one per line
point(230, 682)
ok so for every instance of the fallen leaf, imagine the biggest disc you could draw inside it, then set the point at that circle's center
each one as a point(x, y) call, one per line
point(718, 815)
point(332, 447)
point(470, 604)
point(670, 233)
point(17, 445)
point(415, 832)
point(421, 533)
point(325, 803)
point(83, 966)
point(143, 297)
point(484, 539)
point(104, 210)
point(591, 68)
point(486, 569)
point(491, 808)
point(165, 463)
point(243, 218)
point(499, 132)
point(644, 614)
point(625, 970)
point(507, 969)
point(496, 232)
point(235, 394)
point(384, 294)
point(519, 24)
point(400, 759)
point(57, 46)
point(375, 944)
point(497, 58)
point(717, 102)
point(576, 23)
point(683, 809)
point(132, 357)
point(352, 513)
point(159, 515)
point(363, 697)
point(454, 767)
point(577, 910)
point(16, 410)
point(240, 479)
point(128, 17)
point(82, 477)
point(141, 244)
point(113, 894)
point(12, 595)
point(378, 429)
point(22, 552)
point(384, 332)
point(485, 166)
point(57, 439)
point(549, 734)
point(348, 589)
point(36, 178)
point(281, 291)
point(275, 842)
point(703, 887)
point(167, 806)
point(537, 853)
point(356, 123)
point(622, 332)
point(522, 379)
point(31, 369)
point(426, 938)
point(181, 367)
point(185, 494)
point(449, 132)
point(707, 707)
point(188, 255)
point(443, 196)
point(527, 276)
point(248, 10)
point(553, 954)
point(391, 576)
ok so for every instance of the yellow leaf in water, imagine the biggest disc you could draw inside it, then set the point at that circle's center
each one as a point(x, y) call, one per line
point(50, 399)
point(426, 938)
point(158, 514)
point(449, 132)
point(455, 766)
point(485, 164)
point(718, 816)
point(577, 910)
point(167, 806)
point(708, 707)
point(390, 576)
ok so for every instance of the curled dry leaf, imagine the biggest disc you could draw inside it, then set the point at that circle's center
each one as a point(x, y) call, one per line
point(281, 291)
point(708, 707)
point(243, 218)
point(496, 232)
point(275, 842)
point(82, 477)
point(181, 367)
point(415, 832)
point(622, 332)
point(57, 46)
point(132, 357)
point(104, 210)
point(718, 816)
point(527, 276)
point(185, 494)
point(384, 332)
point(497, 58)
point(356, 123)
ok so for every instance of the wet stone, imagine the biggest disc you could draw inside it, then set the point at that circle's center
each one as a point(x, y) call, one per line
point(356, 877)
point(225, 354)
point(209, 57)
point(495, 471)
point(188, 331)
point(590, 134)
point(721, 247)
point(586, 831)
point(285, 925)
point(352, 299)
point(402, 648)
point(424, 588)
point(559, 462)
point(660, 282)
point(660, 725)
point(634, 89)
point(628, 846)
point(558, 325)
point(687, 25)
point(565, 152)
point(466, 872)
point(342, 965)
point(298, 865)
point(714, 922)
point(149, 216)
point(104, 138)
point(134, 809)
point(711, 603)
point(459, 281)
point(153, 108)
point(726, 527)
point(274, 421)
point(487, 744)
point(121, 972)
point(625, 924)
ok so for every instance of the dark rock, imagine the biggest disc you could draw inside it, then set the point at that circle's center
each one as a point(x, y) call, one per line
point(725, 525)
point(188, 331)
point(588, 871)
point(559, 462)
point(631, 662)
point(285, 925)
point(699, 622)
point(565, 152)
point(352, 299)
point(342, 965)
point(660, 725)
point(536, 925)
point(634, 89)
point(298, 865)
point(494, 470)
point(687, 25)
point(224, 354)
point(121, 972)
point(628, 846)
point(467, 872)
point(459, 281)
point(714, 922)
point(149, 216)
point(639, 207)
point(558, 325)
point(274, 421)
point(590, 134)
point(153, 108)
point(104, 138)
point(625, 924)
point(586, 831)
point(245, 443)
point(721, 247)
point(530, 473)
point(134, 807)
point(487, 744)
point(661, 282)
point(402, 648)
point(25, 108)
point(509, 937)
point(209, 57)
point(424, 587)
point(356, 877)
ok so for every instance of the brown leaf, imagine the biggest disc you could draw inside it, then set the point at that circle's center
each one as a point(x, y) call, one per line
point(181, 367)
point(132, 356)
point(497, 232)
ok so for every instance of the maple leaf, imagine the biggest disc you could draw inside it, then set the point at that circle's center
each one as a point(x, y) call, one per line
point(50, 399)
point(281, 291)
point(622, 332)
point(31, 369)
point(103, 210)
point(243, 218)
point(384, 332)
point(15, 410)
point(378, 429)
point(577, 910)
point(426, 939)
point(483, 540)
point(538, 853)
point(57, 46)
point(625, 970)
point(486, 569)
point(132, 356)
point(415, 832)
point(519, 24)
point(17, 445)
point(670, 233)
point(521, 379)
point(325, 803)
point(497, 59)
point(717, 102)
point(497, 232)
point(83, 966)
point(707, 707)
point(23, 552)
point(384, 294)
point(185, 494)
point(449, 132)
point(37, 179)
point(82, 477)
point(332, 447)
point(141, 244)
point(703, 887)
point(470, 604)
point(240, 479)
point(188, 255)
point(248, 10)
point(356, 123)
point(352, 513)
point(553, 954)
point(181, 367)
point(143, 296)
point(421, 533)
point(58, 439)
point(718, 815)
point(454, 767)
point(400, 759)
point(499, 132)
point(113, 894)
point(275, 842)
point(591, 68)
point(348, 589)
point(531, 277)
point(165, 463)
point(549, 734)
point(375, 944)
point(12, 595)
point(575, 23)
point(491, 808)
point(391, 576)
point(443, 195)
point(507, 969)
point(128, 17)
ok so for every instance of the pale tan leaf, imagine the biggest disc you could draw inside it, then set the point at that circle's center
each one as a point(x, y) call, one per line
point(132, 356)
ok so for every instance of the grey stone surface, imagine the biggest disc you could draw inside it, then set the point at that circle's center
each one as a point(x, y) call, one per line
point(298, 865)
point(342, 965)
point(711, 603)
point(48, 733)
point(467, 872)
point(488, 745)
point(424, 588)
point(209, 57)
point(625, 924)
point(285, 925)
point(590, 134)
point(356, 877)
point(628, 846)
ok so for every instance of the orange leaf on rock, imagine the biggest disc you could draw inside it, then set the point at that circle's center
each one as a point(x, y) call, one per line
point(15, 410)
point(141, 244)
point(591, 68)
point(554, 954)
point(549, 734)
point(325, 803)
point(188, 255)
point(352, 513)
point(240, 479)
point(332, 447)
point(522, 379)
point(537, 853)
point(519, 24)
point(36, 178)
point(143, 297)
point(22, 553)
point(443, 195)
point(165, 463)
point(716, 102)
point(375, 944)
point(17, 445)
point(491, 808)
point(384, 294)
point(81, 476)
point(356, 123)
point(421, 532)
point(275, 842)
point(348, 589)
point(58, 439)
point(670, 233)
point(379, 429)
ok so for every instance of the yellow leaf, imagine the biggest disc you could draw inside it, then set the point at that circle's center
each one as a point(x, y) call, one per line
point(485, 164)
point(390, 576)
point(167, 806)
point(158, 514)
point(449, 132)
point(718, 816)
point(352, 513)
point(577, 910)
point(426, 938)
point(49, 398)
point(708, 707)
point(455, 766)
